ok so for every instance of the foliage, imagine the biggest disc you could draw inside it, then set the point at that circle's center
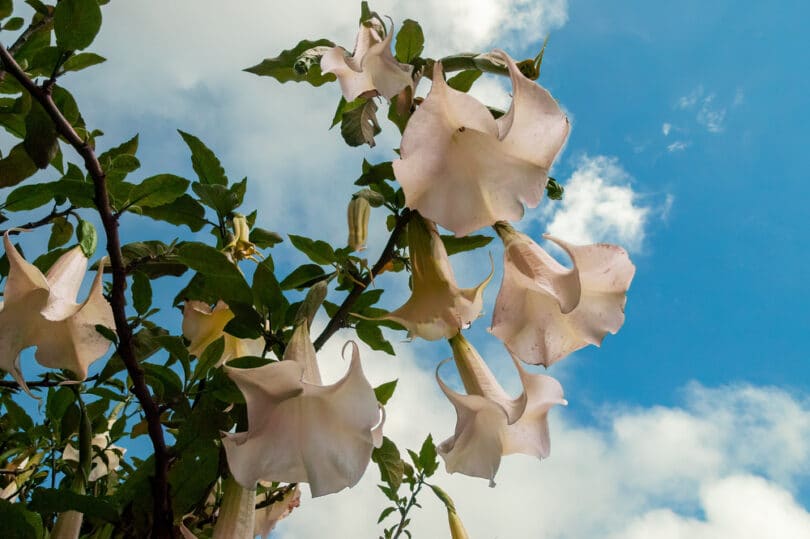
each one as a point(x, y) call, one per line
point(151, 385)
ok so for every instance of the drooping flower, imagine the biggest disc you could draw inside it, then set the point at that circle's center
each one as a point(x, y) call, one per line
point(545, 311)
point(300, 430)
point(371, 69)
point(464, 169)
point(240, 246)
point(202, 325)
point(490, 423)
point(41, 310)
point(437, 308)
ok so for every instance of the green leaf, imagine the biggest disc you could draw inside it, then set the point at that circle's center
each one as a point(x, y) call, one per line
point(87, 237)
point(16, 166)
point(464, 80)
point(61, 232)
point(410, 41)
point(267, 293)
point(158, 190)
point(76, 23)
point(209, 357)
point(371, 334)
point(19, 522)
point(455, 245)
point(427, 456)
point(183, 210)
point(107, 333)
point(390, 463)
point(339, 112)
point(58, 403)
point(205, 163)
point(264, 238)
point(318, 251)
point(246, 322)
point(51, 500)
point(154, 258)
point(19, 417)
point(14, 24)
point(141, 292)
point(299, 64)
point(6, 8)
point(218, 270)
point(29, 197)
point(81, 61)
point(385, 512)
point(130, 147)
point(358, 125)
point(303, 276)
point(40, 136)
point(385, 391)
point(373, 174)
point(193, 474)
point(554, 190)
point(217, 197)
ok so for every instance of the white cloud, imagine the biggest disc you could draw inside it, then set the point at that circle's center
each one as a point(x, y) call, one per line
point(666, 127)
point(599, 205)
point(733, 453)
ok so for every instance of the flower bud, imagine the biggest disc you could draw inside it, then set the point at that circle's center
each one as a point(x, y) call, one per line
point(358, 214)
point(240, 247)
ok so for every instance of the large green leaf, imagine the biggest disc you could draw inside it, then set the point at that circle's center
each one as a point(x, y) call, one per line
point(410, 41)
point(50, 500)
point(76, 23)
point(297, 64)
point(205, 162)
point(183, 210)
point(28, 197)
point(303, 276)
point(318, 251)
point(391, 466)
point(158, 190)
point(19, 522)
point(220, 273)
point(81, 61)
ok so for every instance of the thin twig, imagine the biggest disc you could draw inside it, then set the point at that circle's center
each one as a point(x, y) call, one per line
point(339, 320)
point(41, 222)
point(162, 514)
point(47, 382)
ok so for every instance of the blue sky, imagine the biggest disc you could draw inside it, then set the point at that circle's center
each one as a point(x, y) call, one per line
point(689, 120)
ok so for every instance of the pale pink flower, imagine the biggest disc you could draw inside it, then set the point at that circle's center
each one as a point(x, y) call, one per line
point(41, 310)
point(371, 69)
point(545, 311)
point(464, 169)
point(300, 430)
point(490, 423)
point(437, 308)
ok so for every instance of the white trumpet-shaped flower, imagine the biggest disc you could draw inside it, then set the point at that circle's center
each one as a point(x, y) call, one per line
point(437, 308)
point(300, 430)
point(490, 423)
point(371, 69)
point(202, 325)
point(41, 310)
point(464, 169)
point(545, 311)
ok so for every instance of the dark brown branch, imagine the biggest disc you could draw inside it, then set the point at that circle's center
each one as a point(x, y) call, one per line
point(339, 320)
point(162, 517)
point(41, 222)
point(25, 36)
point(47, 382)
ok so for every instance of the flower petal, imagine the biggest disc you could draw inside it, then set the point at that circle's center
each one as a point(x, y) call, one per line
point(455, 171)
point(65, 278)
point(534, 128)
point(73, 343)
point(353, 83)
point(301, 432)
point(388, 76)
point(23, 277)
point(531, 315)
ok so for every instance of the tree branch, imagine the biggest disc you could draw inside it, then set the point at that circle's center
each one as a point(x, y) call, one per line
point(47, 382)
point(339, 320)
point(162, 518)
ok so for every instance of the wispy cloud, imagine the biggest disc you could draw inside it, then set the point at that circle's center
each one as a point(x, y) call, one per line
point(709, 113)
point(677, 146)
point(666, 127)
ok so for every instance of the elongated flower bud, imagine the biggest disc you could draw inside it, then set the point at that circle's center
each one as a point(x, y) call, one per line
point(358, 214)
point(457, 530)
